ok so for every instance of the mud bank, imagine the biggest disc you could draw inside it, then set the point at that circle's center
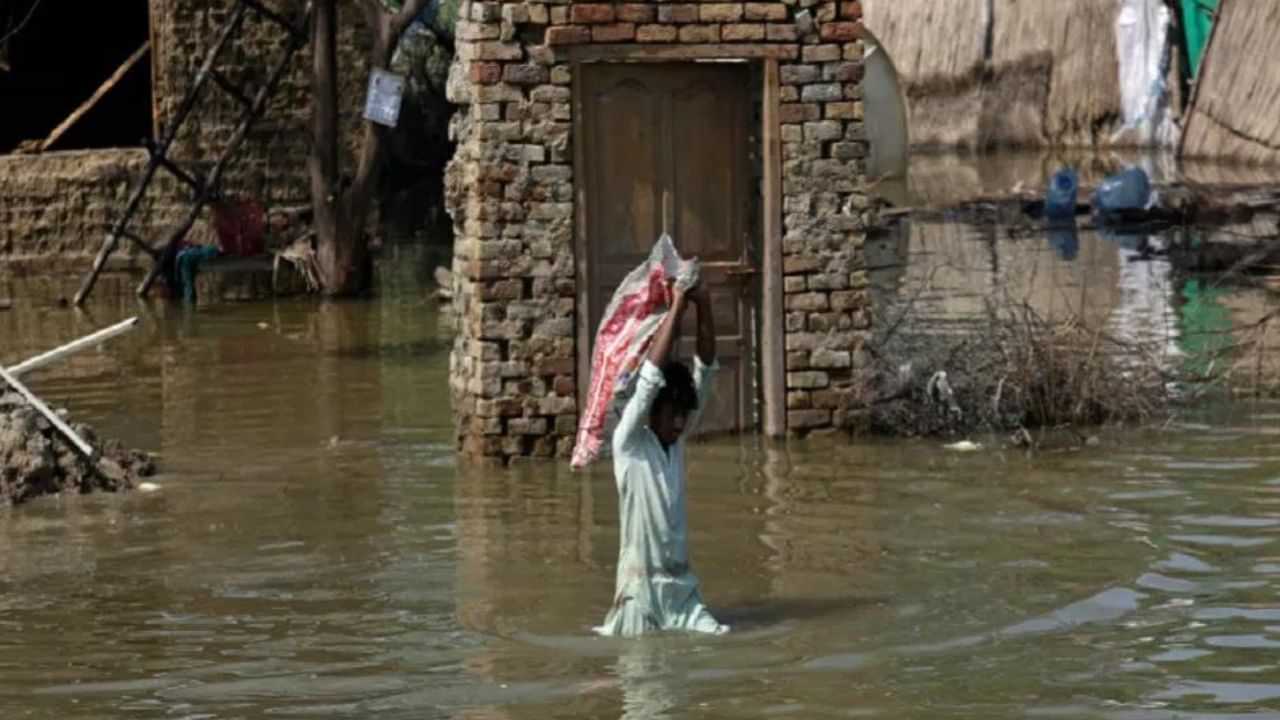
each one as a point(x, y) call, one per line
point(36, 461)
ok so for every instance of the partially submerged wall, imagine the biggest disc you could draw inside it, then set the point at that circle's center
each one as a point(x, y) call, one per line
point(511, 192)
point(1236, 112)
point(982, 73)
point(55, 208)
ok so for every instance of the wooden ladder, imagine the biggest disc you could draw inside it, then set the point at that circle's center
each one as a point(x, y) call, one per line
point(203, 189)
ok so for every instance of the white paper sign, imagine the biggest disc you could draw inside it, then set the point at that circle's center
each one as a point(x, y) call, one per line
point(382, 103)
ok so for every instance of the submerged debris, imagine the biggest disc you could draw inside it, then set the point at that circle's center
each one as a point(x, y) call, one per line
point(35, 460)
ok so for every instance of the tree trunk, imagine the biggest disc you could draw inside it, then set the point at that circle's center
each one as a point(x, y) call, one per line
point(342, 250)
point(332, 238)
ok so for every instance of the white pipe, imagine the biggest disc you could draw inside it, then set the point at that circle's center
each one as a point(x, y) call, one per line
point(85, 448)
point(87, 341)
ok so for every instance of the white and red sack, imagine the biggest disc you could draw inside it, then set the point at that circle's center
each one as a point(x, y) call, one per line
point(622, 341)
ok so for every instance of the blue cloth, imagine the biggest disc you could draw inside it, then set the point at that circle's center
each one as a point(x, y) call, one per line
point(189, 260)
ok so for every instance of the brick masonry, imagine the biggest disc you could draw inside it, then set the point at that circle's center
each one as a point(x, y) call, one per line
point(56, 208)
point(510, 192)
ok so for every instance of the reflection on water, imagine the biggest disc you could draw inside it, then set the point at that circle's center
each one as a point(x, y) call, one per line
point(316, 551)
point(944, 277)
point(945, 179)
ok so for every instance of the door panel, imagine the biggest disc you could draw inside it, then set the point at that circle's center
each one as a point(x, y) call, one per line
point(705, 171)
point(628, 205)
point(664, 148)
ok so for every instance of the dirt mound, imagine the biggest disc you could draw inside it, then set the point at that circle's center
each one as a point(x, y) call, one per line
point(35, 460)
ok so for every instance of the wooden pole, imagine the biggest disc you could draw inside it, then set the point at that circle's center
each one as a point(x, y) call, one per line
point(84, 108)
point(84, 448)
point(772, 341)
point(74, 346)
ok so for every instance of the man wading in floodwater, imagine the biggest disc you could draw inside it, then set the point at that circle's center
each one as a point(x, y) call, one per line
point(655, 588)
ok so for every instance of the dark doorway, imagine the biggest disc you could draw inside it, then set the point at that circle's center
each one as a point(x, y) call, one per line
point(57, 55)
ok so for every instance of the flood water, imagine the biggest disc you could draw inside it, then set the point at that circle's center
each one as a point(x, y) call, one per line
point(315, 550)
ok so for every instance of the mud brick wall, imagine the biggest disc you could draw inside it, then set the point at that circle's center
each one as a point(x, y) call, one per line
point(55, 209)
point(510, 190)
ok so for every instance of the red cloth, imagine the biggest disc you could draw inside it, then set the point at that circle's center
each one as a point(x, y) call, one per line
point(241, 227)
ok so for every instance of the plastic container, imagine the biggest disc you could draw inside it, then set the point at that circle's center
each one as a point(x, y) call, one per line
point(1065, 240)
point(1060, 198)
point(1128, 190)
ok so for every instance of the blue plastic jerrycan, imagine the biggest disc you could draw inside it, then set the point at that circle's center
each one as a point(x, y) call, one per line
point(1060, 198)
point(1128, 190)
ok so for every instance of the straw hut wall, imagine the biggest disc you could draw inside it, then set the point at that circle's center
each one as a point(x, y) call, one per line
point(988, 73)
point(940, 53)
point(1236, 110)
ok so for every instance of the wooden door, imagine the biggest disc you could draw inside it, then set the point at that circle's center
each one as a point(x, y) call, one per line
point(666, 147)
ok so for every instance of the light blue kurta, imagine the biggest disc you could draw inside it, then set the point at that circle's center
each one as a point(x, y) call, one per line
point(655, 588)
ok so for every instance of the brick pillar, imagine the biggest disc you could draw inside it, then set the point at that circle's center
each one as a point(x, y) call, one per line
point(510, 192)
point(825, 218)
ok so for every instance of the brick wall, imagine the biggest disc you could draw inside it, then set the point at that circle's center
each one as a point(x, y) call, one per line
point(510, 192)
point(55, 208)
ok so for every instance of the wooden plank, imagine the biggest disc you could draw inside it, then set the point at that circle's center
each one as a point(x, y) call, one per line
point(772, 340)
point(230, 88)
point(101, 92)
point(72, 347)
point(84, 448)
point(664, 53)
point(297, 33)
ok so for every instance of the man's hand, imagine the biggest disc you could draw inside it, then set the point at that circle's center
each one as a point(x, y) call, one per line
point(698, 296)
point(706, 325)
point(679, 298)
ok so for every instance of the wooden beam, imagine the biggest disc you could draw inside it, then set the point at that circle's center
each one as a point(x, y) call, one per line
point(582, 277)
point(632, 52)
point(772, 338)
point(70, 348)
point(84, 108)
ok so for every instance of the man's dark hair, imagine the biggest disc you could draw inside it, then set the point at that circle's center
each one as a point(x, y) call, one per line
point(679, 389)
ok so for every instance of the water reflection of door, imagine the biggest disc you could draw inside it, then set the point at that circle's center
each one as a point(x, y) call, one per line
point(665, 147)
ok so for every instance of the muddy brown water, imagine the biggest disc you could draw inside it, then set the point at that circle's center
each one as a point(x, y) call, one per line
point(314, 550)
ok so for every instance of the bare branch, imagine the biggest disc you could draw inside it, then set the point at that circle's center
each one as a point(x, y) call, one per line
point(23, 24)
point(410, 10)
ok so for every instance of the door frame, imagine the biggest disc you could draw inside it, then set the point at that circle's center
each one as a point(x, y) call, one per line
point(770, 348)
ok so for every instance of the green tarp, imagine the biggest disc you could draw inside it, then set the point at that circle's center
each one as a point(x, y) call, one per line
point(1197, 22)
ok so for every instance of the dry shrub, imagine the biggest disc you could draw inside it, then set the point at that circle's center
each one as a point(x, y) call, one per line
point(1050, 374)
point(1013, 369)
point(1247, 367)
